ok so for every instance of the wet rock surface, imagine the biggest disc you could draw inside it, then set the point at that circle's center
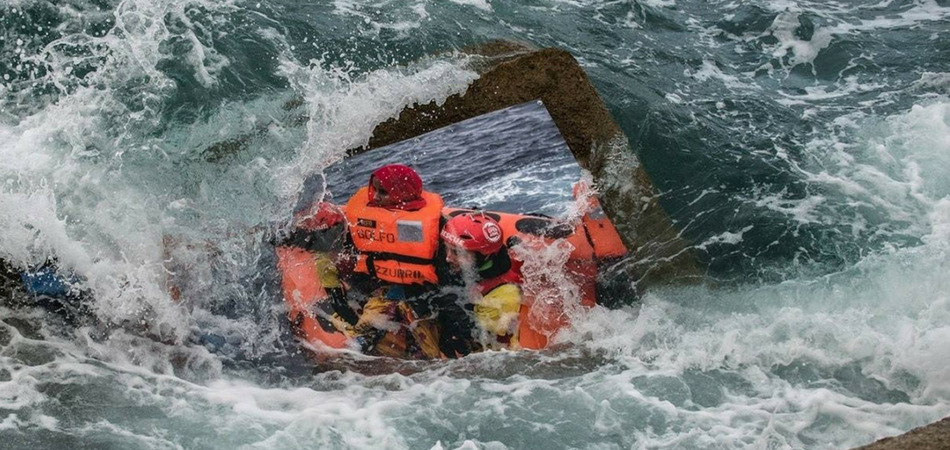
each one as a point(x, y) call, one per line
point(935, 436)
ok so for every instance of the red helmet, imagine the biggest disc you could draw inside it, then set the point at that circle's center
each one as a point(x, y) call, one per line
point(324, 216)
point(473, 232)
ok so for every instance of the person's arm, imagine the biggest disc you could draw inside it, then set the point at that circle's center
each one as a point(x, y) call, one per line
point(330, 280)
point(315, 240)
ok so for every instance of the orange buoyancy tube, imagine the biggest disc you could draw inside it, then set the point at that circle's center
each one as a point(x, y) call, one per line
point(396, 246)
point(603, 235)
point(302, 294)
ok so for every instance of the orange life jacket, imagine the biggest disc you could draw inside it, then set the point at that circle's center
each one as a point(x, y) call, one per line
point(394, 245)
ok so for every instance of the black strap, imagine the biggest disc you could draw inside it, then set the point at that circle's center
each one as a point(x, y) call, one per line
point(371, 264)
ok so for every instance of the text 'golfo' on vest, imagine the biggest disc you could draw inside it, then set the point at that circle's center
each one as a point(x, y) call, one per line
point(394, 245)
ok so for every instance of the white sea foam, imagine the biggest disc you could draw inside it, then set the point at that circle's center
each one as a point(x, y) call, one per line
point(920, 11)
point(384, 16)
point(803, 52)
point(484, 5)
point(345, 109)
point(803, 347)
point(897, 166)
point(725, 238)
point(77, 190)
point(885, 317)
point(711, 71)
point(845, 87)
point(63, 165)
point(838, 360)
point(939, 81)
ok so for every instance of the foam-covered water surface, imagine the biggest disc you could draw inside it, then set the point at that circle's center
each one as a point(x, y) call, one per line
point(801, 148)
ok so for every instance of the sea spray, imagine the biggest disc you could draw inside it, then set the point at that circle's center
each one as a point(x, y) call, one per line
point(820, 126)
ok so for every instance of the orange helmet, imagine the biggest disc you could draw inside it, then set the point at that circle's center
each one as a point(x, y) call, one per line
point(473, 232)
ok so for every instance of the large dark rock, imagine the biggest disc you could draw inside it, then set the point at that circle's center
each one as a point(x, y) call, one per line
point(512, 74)
point(935, 436)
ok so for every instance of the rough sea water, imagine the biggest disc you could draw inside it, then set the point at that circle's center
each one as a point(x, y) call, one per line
point(803, 148)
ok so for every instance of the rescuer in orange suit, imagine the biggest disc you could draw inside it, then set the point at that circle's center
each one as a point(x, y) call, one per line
point(394, 226)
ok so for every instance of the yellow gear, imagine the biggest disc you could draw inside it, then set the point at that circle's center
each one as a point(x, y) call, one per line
point(424, 331)
point(378, 313)
point(497, 312)
point(327, 271)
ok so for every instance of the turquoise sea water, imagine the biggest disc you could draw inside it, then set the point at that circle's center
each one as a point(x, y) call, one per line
point(802, 148)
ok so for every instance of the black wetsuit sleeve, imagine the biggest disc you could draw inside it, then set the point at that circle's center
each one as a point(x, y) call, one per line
point(338, 302)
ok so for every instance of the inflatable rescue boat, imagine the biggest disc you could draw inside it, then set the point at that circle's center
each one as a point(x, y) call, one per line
point(593, 243)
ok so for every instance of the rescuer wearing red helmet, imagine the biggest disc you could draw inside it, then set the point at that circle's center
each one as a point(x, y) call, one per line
point(473, 232)
point(475, 244)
